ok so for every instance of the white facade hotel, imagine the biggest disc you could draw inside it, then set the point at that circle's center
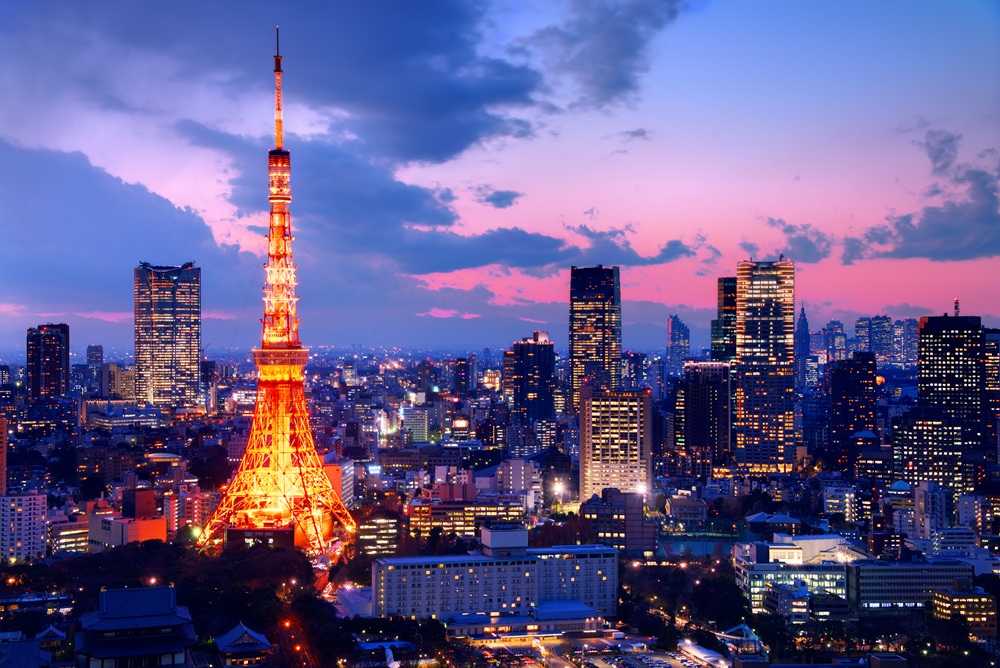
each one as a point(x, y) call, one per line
point(507, 579)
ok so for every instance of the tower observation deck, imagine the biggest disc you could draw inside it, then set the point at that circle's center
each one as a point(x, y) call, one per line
point(280, 492)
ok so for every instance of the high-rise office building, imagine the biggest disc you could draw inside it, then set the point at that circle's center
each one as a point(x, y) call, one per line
point(463, 370)
point(863, 334)
point(852, 407)
point(167, 334)
point(595, 330)
point(46, 372)
point(802, 339)
point(765, 353)
point(635, 370)
point(835, 341)
point(927, 445)
point(950, 370)
point(702, 417)
point(95, 355)
point(678, 345)
point(724, 325)
point(880, 334)
point(991, 387)
point(529, 379)
point(615, 441)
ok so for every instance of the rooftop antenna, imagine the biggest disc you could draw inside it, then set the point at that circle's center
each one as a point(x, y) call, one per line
point(279, 130)
point(957, 310)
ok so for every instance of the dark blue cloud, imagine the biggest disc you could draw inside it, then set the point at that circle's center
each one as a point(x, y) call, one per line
point(965, 226)
point(409, 76)
point(749, 247)
point(602, 45)
point(498, 199)
point(941, 147)
point(613, 246)
point(803, 243)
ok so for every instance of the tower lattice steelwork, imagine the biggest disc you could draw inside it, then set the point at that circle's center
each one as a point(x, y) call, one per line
point(280, 484)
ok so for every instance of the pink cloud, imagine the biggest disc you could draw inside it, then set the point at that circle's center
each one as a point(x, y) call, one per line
point(107, 316)
point(448, 313)
point(217, 315)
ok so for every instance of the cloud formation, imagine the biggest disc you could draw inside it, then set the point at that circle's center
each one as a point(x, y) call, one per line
point(803, 243)
point(965, 225)
point(602, 46)
point(498, 199)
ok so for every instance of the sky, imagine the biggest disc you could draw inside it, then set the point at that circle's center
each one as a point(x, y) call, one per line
point(452, 160)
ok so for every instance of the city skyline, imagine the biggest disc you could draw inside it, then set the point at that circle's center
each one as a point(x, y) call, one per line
point(454, 163)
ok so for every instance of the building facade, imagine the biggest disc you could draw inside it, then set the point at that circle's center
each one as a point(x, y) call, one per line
point(22, 526)
point(595, 330)
point(507, 579)
point(615, 441)
point(529, 379)
point(724, 325)
point(765, 383)
point(167, 334)
point(46, 371)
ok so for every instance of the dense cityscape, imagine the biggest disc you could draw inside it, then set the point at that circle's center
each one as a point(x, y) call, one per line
point(794, 493)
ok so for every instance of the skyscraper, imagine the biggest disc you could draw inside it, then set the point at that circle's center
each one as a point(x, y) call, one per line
point(724, 325)
point(678, 345)
point(529, 378)
point(46, 372)
point(702, 416)
point(880, 338)
point(615, 441)
point(802, 339)
point(927, 445)
point(950, 370)
point(462, 375)
point(167, 334)
point(765, 383)
point(852, 406)
point(991, 387)
point(595, 330)
point(863, 334)
point(835, 340)
point(280, 491)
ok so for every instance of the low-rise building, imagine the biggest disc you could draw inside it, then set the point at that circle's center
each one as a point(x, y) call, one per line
point(459, 517)
point(107, 531)
point(758, 564)
point(506, 581)
point(886, 587)
point(618, 519)
point(977, 607)
point(788, 601)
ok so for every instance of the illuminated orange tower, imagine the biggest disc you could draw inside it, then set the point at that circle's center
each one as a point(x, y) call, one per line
point(280, 488)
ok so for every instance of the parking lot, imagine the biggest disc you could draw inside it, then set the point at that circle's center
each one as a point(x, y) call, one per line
point(641, 660)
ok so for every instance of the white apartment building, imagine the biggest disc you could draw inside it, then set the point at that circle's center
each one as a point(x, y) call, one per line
point(22, 526)
point(507, 579)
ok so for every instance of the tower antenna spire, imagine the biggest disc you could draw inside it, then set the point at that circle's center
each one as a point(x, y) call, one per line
point(279, 130)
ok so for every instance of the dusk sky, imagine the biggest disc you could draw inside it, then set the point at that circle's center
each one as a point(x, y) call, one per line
point(451, 160)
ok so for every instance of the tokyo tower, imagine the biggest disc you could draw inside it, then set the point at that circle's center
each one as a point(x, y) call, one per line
point(280, 492)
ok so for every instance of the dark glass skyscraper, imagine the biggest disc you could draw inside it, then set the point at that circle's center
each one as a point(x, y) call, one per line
point(724, 325)
point(678, 345)
point(950, 372)
point(765, 353)
point(702, 417)
point(595, 330)
point(46, 372)
point(167, 334)
point(529, 378)
point(852, 406)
